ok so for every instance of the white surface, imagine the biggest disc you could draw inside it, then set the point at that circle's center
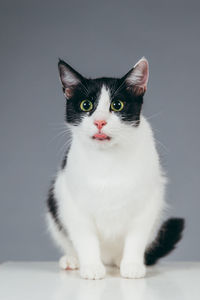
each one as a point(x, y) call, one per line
point(43, 280)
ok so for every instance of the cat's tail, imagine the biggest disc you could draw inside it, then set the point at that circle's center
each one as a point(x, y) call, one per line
point(168, 236)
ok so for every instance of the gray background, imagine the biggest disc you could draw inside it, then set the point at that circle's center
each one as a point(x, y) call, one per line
point(97, 38)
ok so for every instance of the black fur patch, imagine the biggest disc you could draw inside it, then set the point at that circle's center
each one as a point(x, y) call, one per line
point(53, 207)
point(90, 89)
point(132, 104)
point(168, 236)
point(64, 162)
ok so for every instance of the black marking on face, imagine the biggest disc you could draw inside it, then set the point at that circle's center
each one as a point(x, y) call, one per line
point(90, 89)
point(132, 105)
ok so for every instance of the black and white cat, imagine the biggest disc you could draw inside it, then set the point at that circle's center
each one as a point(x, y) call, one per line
point(107, 201)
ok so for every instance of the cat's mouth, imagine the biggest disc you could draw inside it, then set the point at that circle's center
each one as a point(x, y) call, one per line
point(101, 137)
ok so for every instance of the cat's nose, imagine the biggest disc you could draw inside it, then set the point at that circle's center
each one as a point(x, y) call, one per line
point(100, 123)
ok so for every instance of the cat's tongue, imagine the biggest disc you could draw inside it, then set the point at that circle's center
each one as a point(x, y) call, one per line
point(101, 136)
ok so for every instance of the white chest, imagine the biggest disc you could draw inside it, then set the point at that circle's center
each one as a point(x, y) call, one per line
point(108, 185)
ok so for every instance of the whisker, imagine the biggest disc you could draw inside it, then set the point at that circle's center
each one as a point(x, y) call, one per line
point(154, 115)
point(163, 146)
point(121, 85)
point(85, 88)
point(60, 134)
point(64, 147)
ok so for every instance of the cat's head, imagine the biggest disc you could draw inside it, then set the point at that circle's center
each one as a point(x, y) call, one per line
point(104, 111)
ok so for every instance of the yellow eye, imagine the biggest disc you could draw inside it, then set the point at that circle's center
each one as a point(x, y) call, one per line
point(86, 105)
point(117, 105)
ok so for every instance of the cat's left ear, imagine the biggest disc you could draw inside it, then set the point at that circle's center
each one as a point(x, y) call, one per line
point(137, 78)
point(69, 78)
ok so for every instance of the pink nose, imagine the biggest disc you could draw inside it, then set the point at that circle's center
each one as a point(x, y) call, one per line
point(100, 124)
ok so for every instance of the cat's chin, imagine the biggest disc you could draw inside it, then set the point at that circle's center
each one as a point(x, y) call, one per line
point(102, 143)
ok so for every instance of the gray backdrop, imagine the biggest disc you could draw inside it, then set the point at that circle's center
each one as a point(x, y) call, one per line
point(97, 38)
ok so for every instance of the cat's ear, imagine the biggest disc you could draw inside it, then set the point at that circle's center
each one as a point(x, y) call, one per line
point(69, 78)
point(137, 78)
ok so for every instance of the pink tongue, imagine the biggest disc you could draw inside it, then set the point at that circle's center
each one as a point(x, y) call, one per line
point(101, 136)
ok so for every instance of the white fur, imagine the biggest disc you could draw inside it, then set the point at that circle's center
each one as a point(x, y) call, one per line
point(68, 262)
point(69, 79)
point(140, 73)
point(110, 195)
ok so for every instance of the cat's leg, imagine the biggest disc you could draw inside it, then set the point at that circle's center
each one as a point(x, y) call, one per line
point(81, 230)
point(85, 243)
point(136, 240)
point(85, 240)
point(69, 261)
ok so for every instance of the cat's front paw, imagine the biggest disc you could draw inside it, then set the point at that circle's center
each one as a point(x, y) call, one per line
point(132, 270)
point(68, 262)
point(93, 271)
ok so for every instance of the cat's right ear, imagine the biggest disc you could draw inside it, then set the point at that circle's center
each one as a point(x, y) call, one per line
point(69, 78)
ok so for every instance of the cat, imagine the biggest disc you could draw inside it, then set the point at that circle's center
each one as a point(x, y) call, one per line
point(106, 203)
